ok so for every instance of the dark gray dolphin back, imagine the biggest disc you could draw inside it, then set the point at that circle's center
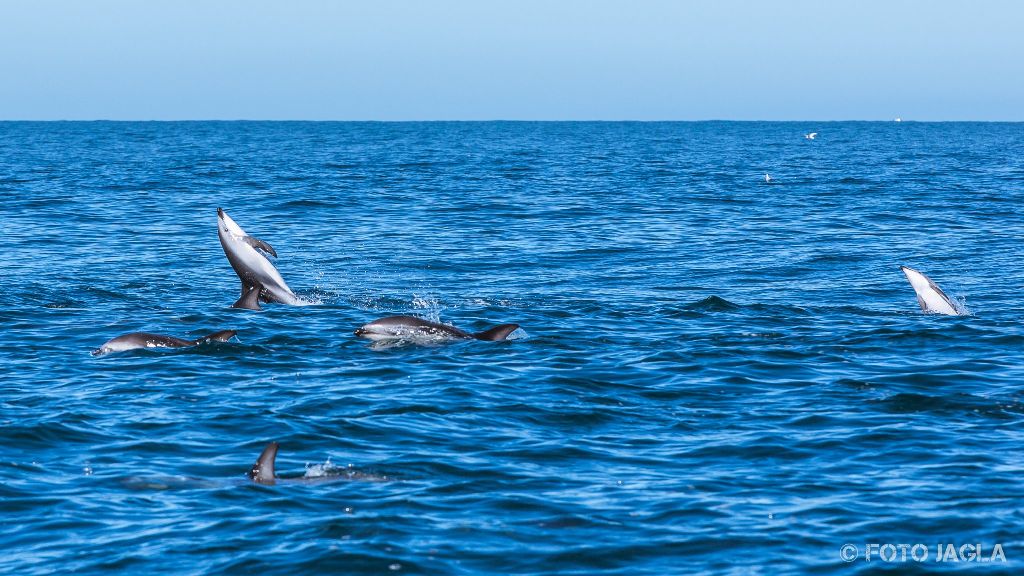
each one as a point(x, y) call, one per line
point(142, 340)
point(435, 327)
point(499, 332)
point(263, 470)
point(221, 336)
point(250, 299)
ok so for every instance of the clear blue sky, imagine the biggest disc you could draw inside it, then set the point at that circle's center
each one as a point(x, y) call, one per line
point(515, 59)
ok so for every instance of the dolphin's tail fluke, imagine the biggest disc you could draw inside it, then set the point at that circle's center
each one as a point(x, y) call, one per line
point(263, 470)
point(500, 332)
point(250, 299)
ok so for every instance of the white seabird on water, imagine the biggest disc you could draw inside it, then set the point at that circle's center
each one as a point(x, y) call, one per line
point(811, 135)
point(768, 178)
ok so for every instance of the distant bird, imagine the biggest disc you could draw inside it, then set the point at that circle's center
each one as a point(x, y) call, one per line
point(811, 135)
point(768, 178)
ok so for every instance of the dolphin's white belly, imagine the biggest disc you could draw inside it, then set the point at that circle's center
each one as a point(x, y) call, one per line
point(265, 273)
point(119, 345)
point(254, 267)
point(935, 303)
point(931, 298)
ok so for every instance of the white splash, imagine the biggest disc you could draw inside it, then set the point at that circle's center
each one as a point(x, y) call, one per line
point(328, 468)
point(430, 305)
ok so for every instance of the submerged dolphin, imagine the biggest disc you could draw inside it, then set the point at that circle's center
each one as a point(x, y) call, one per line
point(418, 330)
point(260, 280)
point(262, 471)
point(137, 340)
point(929, 296)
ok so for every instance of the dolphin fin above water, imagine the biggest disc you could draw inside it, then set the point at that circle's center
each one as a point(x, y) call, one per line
point(260, 245)
point(250, 299)
point(498, 333)
point(930, 297)
point(263, 470)
point(220, 336)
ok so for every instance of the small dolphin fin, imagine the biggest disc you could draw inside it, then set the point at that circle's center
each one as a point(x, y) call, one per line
point(263, 470)
point(260, 245)
point(250, 300)
point(221, 336)
point(499, 332)
point(920, 302)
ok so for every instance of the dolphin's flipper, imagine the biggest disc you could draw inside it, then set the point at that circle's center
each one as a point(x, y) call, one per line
point(260, 245)
point(263, 470)
point(250, 300)
point(500, 332)
point(939, 291)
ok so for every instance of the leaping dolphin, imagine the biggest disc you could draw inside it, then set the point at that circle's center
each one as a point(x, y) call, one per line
point(260, 280)
point(137, 340)
point(929, 296)
point(415, 329)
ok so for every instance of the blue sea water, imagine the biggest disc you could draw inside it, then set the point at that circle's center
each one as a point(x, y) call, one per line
point(714, 374)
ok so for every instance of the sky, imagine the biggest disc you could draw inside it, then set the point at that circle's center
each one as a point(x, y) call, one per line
point(511, 60)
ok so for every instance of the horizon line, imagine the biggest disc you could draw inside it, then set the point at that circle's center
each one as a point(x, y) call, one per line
point(439, 120)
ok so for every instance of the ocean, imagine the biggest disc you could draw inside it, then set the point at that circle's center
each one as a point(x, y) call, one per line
point(713, 374)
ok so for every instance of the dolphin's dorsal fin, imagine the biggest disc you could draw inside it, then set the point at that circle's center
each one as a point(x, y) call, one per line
point(260, 245)
point(500, 332)
point(250, 300)
point(221, 336)
point(263, 470)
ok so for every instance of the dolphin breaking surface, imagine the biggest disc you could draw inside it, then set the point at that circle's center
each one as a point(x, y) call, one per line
point(261, 282)
point(263, 471)
point(930, 297)
point(418, 330)
point(136, 340)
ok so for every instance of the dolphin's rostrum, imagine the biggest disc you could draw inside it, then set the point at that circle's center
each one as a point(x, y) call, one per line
point(247, 255)
point(137, 340)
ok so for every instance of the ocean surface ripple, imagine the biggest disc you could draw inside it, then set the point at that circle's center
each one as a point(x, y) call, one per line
point(714, 374)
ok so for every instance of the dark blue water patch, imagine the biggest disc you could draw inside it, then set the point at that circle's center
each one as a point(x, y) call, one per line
point(714, 374)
